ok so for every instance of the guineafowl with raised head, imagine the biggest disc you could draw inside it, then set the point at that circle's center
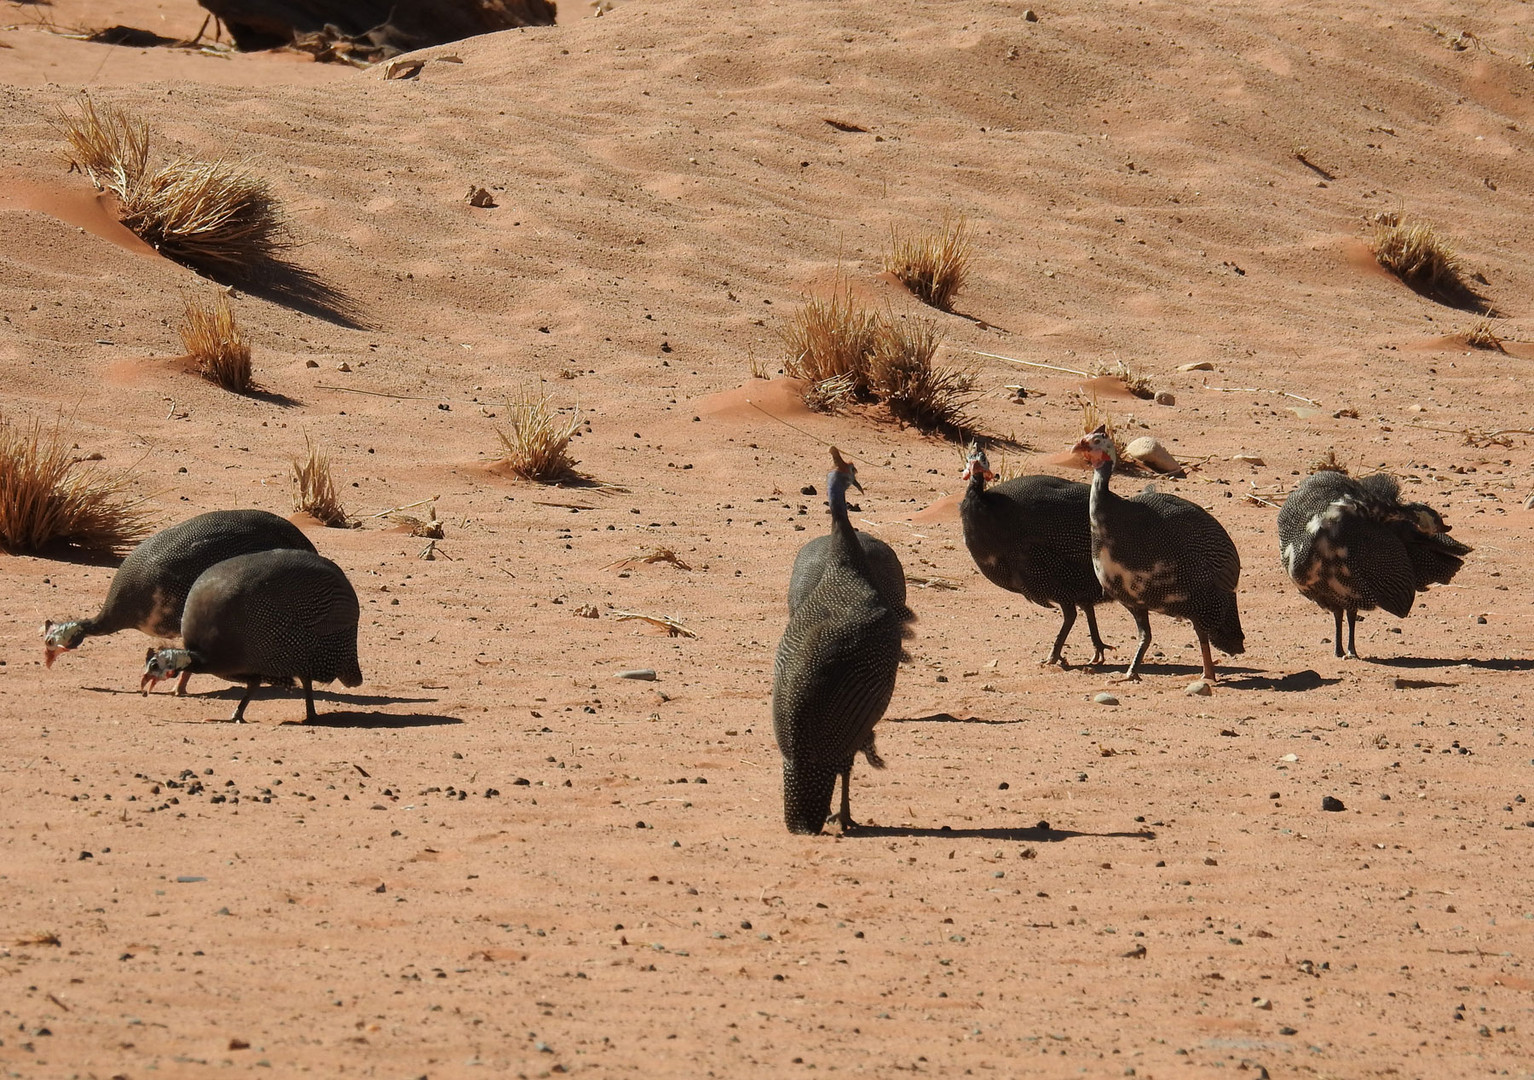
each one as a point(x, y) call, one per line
point(1157, 552)
point(1031, 535)
point(149, 590)
point(272, 616)
point(1352, 545)
point(836, 665)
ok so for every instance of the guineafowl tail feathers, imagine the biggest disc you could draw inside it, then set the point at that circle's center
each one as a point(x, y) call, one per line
point(807, 791)
point(1222, 623)
point(353, 676)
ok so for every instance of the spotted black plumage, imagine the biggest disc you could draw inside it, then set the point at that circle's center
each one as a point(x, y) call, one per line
point(836, 663)
point(1351, 545)
point(1031, 535)
point(273, 616)
point(1157, 552)
point(149, 590)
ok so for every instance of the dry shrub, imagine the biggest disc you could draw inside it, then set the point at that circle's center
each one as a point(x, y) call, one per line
point(902, 375)
point(1415, 253)
point(933, 266)
point(1329, 462)
point(213, 216)
point(538, 446)
point(828, 395)
point(830, 338)
point(213, 340)
point(49, 498)
point(314, 489)
point(1483, 335)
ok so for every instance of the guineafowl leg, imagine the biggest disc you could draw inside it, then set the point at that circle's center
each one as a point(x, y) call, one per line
point(310, 716)
point(1097, 641)
point(1203, 644)
point(1067, 620)
point(239, 710)
point(1142, 620)
point(1352, 625)
point(181, 683)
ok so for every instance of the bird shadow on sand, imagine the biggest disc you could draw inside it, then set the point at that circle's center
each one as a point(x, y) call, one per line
point(1033, 834)
point(946, 718)
point(376, 720)
point(1496, 664)
point(1297, 682)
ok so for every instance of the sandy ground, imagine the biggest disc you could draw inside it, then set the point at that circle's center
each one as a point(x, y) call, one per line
point(496, 858)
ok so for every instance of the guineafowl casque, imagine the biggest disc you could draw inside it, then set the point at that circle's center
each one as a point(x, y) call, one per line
point(836, 665)
point(149, 589)
point(1157, 552)
point(1352, 545)
point(273, 616)
point(1031, 535)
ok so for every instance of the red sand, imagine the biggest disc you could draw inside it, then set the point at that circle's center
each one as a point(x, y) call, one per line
point(352, 899)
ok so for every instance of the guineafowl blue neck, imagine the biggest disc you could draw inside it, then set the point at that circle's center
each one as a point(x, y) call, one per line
point(841, 524)
point(836, 493)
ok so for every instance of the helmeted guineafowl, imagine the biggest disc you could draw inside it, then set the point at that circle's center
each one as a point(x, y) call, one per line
point(1352, 545)
point(1157, 552)
point(836, 665)
point(273, 616)
point(1031, 535)
point(149, 589)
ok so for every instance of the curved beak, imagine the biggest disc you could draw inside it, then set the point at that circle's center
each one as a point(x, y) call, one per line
point(147, 683)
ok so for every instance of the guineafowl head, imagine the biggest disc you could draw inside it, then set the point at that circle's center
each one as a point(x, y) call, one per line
point(162, 664)
point(1427, 520)
point(1097, 446)
point(61, 638)
point(843, 472)
point(976, 460)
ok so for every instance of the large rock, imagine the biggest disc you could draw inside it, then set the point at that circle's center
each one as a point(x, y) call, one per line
point(1150, 453)
point(377, 28)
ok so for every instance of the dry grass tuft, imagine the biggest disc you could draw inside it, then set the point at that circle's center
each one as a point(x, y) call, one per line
point(902, 375)
point(831, 338)
point(1091, 418)
point(1415, 253)
point(538, 445)
point(49, 498)
point(933, 266)
point(1483, 335)
point(213, 216)
point(314, 489)
point(1328, 462)
point(1137, 384)
point(108, 146)
point(213, 340)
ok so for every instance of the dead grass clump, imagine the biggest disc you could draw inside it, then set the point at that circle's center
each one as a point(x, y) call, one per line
point(1415, 253)
point(314, 489)
point(1329, 462)
point(1483, 335)
point(902, 375)
point(49, 498)
point(538, 446)
point(213, 216)
point(829, 395)
point(213, 340)
point(108, 146)
point(830, 338)
point(1136, 383)
point(933, 266)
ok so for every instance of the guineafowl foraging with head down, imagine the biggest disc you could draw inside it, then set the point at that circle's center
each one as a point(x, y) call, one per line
point(1031, 535)
point(1352, 545)
point(1157, 552)
point(836, 664)
point(273, 616)
point(149, 589)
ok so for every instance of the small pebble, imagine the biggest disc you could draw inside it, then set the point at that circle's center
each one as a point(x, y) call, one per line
point(646, 674)
point(1166, 397)
point(1106, 699)
point(1198, 365)
point(1249, 459)
point(1332, 804)
point(1199, 688)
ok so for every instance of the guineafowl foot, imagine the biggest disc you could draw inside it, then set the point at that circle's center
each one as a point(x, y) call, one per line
point(1128, 676)
point(181, 683)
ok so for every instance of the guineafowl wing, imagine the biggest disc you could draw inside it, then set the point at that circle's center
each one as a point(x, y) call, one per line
point(1201, 550)
point(1373, 564)
point(1436, 559)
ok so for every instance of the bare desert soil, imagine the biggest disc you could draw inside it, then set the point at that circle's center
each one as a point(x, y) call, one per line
point(495, 858)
